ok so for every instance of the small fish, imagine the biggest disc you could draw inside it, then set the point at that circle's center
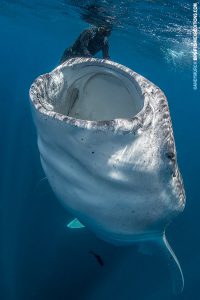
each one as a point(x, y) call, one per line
point(98, 258)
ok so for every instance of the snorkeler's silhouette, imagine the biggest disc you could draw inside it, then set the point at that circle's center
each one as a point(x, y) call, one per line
point(89, 42)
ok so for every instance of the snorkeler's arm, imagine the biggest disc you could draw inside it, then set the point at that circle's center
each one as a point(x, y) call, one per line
point(84, 41)
point(105, 49)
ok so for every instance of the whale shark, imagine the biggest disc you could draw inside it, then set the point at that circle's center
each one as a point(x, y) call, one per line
point(107, 147)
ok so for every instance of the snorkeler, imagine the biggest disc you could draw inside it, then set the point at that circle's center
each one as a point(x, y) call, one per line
point(90, 42)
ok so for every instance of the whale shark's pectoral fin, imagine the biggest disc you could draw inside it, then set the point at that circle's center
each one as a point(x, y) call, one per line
point(75, 224)
point(161, 245)
point(173, 264)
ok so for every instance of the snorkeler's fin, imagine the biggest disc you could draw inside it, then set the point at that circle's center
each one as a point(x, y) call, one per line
point(75, 224)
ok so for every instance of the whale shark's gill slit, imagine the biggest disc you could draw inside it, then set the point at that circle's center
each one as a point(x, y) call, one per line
point(173, 264)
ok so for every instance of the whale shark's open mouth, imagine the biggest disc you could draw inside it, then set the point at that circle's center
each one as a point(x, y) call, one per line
point(93, 93)
point(100, 94)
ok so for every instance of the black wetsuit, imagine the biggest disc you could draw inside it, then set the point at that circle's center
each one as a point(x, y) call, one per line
point(88, 44)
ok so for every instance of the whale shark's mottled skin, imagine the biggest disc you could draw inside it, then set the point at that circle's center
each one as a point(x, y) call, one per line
point(106, 144)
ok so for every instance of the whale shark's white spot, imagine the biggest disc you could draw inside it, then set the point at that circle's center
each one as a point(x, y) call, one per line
point(106, 144)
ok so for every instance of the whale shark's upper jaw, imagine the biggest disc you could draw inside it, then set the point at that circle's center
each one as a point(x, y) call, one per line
point(89, 106)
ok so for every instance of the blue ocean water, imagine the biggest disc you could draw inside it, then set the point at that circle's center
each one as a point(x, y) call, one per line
point(39, 258)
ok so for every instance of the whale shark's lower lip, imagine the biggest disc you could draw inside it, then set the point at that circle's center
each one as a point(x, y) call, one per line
point(107, 147)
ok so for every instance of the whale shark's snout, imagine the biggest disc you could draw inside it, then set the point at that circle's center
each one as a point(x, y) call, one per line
point(107, 147)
